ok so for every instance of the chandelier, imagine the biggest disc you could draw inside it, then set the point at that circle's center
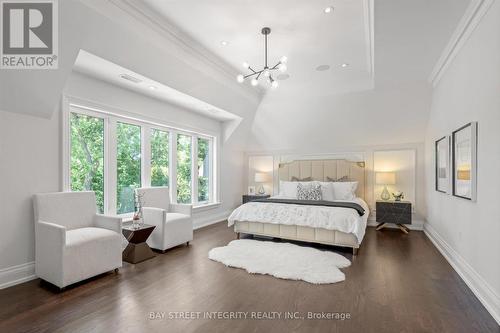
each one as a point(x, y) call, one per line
point(266, 71)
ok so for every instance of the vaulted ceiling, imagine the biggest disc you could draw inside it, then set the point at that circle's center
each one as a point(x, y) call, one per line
point(300, 30)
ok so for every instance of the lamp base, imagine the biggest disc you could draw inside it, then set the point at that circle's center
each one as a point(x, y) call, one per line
point(385, 195)
point(261, 190)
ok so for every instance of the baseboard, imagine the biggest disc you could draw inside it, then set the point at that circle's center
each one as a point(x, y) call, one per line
point(210, 219)
point(11, 276)
point(483, 291)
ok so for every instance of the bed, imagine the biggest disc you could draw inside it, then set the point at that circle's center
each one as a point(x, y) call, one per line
point(338, 226)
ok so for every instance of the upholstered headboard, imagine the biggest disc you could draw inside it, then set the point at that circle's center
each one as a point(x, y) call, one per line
point(321, 169)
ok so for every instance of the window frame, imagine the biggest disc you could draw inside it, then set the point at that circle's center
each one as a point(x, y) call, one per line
point(111, 118)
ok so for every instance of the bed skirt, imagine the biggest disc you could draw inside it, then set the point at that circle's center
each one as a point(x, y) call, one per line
point(299, 233)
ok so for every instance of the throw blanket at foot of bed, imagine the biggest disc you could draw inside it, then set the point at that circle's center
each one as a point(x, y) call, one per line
point(282, 260)
point(324, 203)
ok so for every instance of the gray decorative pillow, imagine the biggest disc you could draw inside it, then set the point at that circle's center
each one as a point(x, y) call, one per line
point(341, 179)
point(309, 192)
point(306, 179)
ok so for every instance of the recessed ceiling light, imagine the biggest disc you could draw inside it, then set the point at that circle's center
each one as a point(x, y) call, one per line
point(224, 43)
point(282, 77)
point(329, 10)
point(344, 65)
point(322, 68)
point(153, 87)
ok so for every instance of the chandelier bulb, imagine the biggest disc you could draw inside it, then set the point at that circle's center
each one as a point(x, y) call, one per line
point(283, 59)
point(282, 67)
point(267, 73)
point(246, 65)
point(274, 84)
point(254, 82)
point(240, 78)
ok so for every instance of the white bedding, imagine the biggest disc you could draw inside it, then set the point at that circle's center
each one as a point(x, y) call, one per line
point(342, 219)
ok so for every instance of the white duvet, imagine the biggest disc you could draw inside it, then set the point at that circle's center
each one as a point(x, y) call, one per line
point(332, 218)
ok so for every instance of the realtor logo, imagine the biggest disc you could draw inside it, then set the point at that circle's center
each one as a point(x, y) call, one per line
point(29, 34)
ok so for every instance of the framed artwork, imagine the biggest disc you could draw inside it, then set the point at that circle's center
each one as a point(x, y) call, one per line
point(442, 168)
point(464, 159)
point(251, 190)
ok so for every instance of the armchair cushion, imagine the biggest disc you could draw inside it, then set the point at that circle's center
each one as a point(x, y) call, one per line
point(90, 251)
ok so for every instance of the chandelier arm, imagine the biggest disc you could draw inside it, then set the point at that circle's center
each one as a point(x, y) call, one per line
point(276, 66)
point(252, 74)
point(250, 68)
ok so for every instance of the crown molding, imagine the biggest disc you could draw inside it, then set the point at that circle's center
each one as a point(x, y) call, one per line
point(471, 19)
point(191, 50)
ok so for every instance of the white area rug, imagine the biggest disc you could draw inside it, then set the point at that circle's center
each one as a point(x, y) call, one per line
point(282, 260)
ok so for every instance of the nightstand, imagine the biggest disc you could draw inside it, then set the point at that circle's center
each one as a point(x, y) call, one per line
point(247, 197)
point(396, 212)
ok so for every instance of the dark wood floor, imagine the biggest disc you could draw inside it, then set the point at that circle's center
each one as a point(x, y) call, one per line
point(398, 283)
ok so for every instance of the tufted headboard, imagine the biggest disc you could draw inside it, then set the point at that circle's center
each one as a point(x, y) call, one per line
point(321, 169)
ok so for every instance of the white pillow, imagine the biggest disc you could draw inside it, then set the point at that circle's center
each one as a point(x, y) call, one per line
point(327, 192)
point(289, 189)
point(344, 190)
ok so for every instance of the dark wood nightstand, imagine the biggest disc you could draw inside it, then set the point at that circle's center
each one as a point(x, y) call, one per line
point(397, 212)
point(247, 197)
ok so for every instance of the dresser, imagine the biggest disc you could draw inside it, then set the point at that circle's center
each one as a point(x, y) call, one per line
point(395, 212)
point(247, 197)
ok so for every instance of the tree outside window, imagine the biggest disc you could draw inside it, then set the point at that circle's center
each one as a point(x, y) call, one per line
point(184, 147)
point(87, 155)
point(128, 164)
point(159, 158)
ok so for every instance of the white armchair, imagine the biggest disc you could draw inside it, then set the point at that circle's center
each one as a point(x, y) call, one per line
point(72, 242)
point(174, 225)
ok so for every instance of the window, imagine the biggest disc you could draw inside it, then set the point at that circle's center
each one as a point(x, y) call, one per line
point(128, 165)
point(184, 150)
point(204, 171)
point(87, 155)
point(113, 155)
point(159, 158)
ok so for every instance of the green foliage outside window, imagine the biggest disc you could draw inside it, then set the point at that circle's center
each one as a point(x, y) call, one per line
point(184, 168)
point(128, 164)
point(203, 170)
point(159, 158)
point(87, 155)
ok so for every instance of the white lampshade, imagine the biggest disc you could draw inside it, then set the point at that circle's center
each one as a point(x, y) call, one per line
point(385, 178)
point(261, 177)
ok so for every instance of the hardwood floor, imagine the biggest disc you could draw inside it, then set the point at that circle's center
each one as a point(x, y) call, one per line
point(398, 283)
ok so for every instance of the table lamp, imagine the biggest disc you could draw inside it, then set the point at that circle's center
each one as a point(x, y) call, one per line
point(385, 178)
point(260, 178)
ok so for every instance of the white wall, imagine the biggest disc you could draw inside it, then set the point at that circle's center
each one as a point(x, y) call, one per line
point(29, 163)
point(469, 232)
point(368, 154)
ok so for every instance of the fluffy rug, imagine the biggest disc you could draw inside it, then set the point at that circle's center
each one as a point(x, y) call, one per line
point(282, 260)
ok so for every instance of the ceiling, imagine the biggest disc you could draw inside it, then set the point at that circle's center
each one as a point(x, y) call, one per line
point(108, 71)
point(301, 30)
